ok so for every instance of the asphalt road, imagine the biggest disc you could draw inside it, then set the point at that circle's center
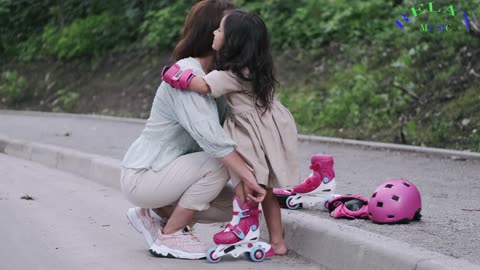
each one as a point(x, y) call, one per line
point(450, 187)
point(74, 223)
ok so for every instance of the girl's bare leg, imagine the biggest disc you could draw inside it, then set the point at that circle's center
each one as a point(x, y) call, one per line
point(240, 193)
point(273, 218)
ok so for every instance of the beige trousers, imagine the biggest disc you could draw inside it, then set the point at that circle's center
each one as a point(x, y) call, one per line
point(194, 181)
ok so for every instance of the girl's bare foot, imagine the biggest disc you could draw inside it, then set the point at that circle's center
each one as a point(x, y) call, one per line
point(279, 248)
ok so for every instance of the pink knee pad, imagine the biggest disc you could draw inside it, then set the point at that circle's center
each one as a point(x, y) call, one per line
point(348, 206)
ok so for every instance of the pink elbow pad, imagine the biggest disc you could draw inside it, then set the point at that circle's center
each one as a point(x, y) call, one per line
point(177, 77)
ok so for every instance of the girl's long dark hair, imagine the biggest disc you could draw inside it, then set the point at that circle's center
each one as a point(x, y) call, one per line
point(203, 18)
point(247, 46)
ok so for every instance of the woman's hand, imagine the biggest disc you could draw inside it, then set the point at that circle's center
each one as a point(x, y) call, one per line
point(254, 193)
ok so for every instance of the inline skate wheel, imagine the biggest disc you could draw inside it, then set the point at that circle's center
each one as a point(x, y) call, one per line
point(257, 254)
point(291, 205)
point(210, 257)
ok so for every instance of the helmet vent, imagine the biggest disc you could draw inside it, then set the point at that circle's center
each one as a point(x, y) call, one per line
point(379, 204)
point(406, 184)
point(395, 198)
point(374, 194)
point(389, 186)
point(390, 216)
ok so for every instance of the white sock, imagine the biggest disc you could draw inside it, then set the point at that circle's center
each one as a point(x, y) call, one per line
point(154, 215)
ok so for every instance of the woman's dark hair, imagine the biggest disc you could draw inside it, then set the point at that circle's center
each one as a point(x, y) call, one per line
point(247, 46)
point(203, 18)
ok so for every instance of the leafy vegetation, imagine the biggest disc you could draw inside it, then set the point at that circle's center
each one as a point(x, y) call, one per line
point(12, 87)
point(346, 68)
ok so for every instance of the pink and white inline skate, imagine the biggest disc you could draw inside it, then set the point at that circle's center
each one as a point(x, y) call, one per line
point(241, 236)
point(319, 187)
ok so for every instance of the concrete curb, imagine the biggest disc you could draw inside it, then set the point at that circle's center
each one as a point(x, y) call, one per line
point(454, 154)
point(101, 169)
point(76, 116)
point(335, 246)
point(342, 247)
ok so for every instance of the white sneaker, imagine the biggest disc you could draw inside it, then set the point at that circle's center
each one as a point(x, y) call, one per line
point(145, 224)
point(182, 244)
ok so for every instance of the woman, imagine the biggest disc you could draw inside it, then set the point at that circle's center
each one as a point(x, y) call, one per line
point(165, 169)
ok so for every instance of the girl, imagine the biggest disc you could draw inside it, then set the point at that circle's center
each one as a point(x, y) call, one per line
point(262, 127)
point(164, 173)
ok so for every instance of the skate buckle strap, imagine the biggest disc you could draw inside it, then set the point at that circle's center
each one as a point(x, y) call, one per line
point(241, 213)
point(237, 231)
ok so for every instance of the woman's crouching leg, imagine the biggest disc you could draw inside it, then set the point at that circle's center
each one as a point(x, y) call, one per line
point(212, 178)
point(220, 208)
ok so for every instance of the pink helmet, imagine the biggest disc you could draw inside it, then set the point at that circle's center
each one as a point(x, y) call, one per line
point(395, 201)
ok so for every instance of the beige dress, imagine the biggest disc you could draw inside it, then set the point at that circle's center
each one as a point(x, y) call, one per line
point(267, 142)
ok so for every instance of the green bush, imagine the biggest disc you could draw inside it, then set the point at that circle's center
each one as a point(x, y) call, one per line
point(89, 36)
point(308, 25)
point(304, 25)
point(12, 87)
point(30, 49)
point(275, 13)
point(305, 106)
point(456, 123)
point(162, 28)
point(358, 101)
point(65, 101)
point(360, 76)
point(20, 20)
